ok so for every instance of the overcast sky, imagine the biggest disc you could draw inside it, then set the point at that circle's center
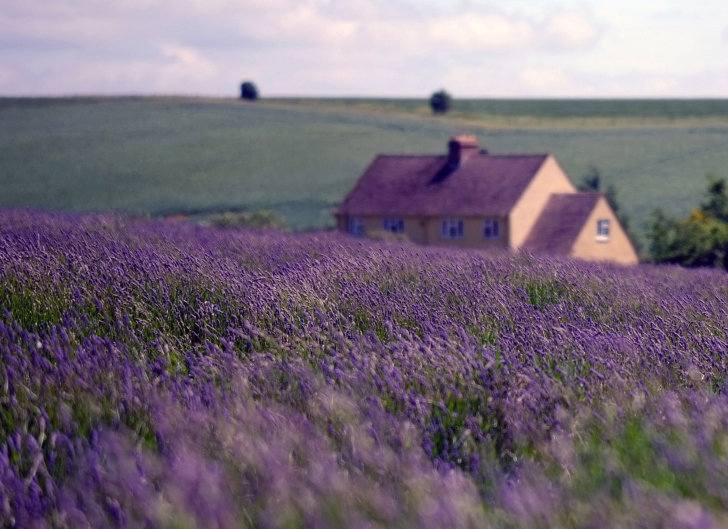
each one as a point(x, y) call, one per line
point(473, 48)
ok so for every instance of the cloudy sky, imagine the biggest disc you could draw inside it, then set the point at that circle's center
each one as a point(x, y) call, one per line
point(473, 48)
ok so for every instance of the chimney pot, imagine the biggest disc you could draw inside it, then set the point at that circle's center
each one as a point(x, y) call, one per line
point(461, 148)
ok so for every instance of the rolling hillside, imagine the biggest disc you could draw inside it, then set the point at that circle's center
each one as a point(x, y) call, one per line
point(162, 156)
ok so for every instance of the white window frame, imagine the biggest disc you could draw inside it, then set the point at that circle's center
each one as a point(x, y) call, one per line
point(452, 229)
point(356, 226)
point(491, 229)
point(603, 226)
point(393, 225)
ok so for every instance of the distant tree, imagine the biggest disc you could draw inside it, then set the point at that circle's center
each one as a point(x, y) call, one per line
point(248, 91)
point(701, 239)
point(440, 102)
point(590, 180)
point(717, 205)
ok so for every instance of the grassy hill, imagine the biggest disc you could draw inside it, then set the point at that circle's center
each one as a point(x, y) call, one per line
point(549, 113)
point(157, 374)
point(163, 156)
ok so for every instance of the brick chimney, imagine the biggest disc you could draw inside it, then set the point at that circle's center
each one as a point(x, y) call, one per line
point(461, 148)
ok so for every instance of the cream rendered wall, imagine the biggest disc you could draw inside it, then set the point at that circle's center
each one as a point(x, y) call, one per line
point(472, 233)
point(372, 225)
point(549, 179)
point(428, 231)
point(617, 248)
point(414, 227)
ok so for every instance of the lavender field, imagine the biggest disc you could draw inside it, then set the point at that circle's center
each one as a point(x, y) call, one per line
point(173, 376)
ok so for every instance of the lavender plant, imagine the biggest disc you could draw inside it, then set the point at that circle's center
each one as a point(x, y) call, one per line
point(166, 375)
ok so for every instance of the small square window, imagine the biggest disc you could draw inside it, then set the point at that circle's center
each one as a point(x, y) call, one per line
point(356, 226)
point(603, 229)
point(393, 225)
point(490, 229)
point(452, 229)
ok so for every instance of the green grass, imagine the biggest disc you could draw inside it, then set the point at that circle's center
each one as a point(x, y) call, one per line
point(298, 158)
point(543, 112)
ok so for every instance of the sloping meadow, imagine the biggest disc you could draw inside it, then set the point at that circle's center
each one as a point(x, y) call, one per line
point(166, 375)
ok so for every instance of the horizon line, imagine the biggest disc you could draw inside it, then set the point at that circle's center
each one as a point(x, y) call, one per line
point(370, 97)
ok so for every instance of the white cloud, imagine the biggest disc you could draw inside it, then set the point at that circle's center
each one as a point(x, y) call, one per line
point(81, 30)
point(353, 23)
point(187, 59)
point(179, 68)
point(164, 72)
point(12, 80)
point(478, 32)
point(366, 24)
point(543, 79)
point(706, 83)
point(350, 47)
point(477, 79)
point(657, 86)
point(571, 29)
point(457, 30)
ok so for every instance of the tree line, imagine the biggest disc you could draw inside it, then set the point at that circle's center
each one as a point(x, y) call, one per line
point(701, 238)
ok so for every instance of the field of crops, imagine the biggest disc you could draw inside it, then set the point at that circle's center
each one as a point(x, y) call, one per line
point(167, 375)
point(544, 112)
point(164, 156)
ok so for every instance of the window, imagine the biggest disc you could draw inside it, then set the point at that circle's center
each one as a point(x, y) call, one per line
point(603, 230)
point(452, 229)
point(356, 226)
point(490, 229)
point(393, 225)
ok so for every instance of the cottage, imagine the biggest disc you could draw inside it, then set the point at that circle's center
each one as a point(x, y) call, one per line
point(469, 198)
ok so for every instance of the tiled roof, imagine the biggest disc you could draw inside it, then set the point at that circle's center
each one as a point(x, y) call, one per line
point(560, 223)
point(430, 186)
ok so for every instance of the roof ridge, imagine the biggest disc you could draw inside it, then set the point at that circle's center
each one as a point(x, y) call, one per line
point(408, 184)
point(444, 155)
point(393, 155)
point(519, 155)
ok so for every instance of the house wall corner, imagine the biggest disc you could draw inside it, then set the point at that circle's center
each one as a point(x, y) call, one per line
point(616, 248)
point(549, 179)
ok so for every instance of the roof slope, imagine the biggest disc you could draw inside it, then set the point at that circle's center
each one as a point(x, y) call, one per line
point(560, 223)
point(430, 186)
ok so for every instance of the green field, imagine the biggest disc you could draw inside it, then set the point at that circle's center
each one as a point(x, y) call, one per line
point(163, 156)
point(541, 113)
